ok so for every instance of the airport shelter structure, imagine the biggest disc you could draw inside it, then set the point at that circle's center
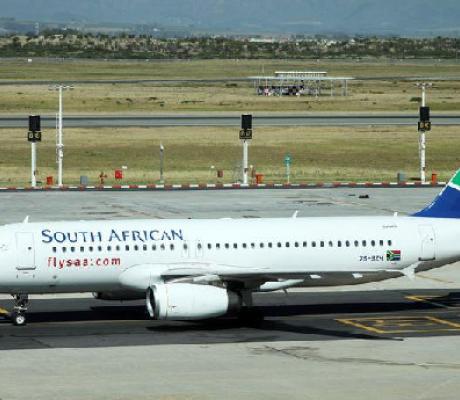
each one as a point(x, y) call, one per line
point(298, 83)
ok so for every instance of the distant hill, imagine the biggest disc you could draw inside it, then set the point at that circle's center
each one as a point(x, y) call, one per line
point(401, 17)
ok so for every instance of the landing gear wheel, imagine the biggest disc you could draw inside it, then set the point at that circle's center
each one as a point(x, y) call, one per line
point(19, 319)
point(18, 316)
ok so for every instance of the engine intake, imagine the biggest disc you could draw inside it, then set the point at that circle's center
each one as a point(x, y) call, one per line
point(186, 301)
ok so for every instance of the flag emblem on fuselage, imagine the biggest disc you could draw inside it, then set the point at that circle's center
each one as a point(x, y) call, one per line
point(393, 255)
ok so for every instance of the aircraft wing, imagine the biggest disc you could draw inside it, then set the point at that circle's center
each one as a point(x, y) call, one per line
point(139, 276)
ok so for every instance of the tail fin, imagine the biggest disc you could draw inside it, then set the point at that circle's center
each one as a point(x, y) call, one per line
point(447, 203)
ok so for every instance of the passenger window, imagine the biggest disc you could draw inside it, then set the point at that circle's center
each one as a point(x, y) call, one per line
point(244, 245)
point(339, 244)
point(321, 243)
point(82, 249)
point(270, 244)
point(126, 248)
point(347, 243)
point(389, 243)
point(99, 248)
point(364, 243)
point(313, 244)
point(217, 245)
point(72, 249)
point(117, 248)
point(296, 244)
point(253, 245)
point(144, 247)
point(198, 246)
point(64, 249)
point(304, 244)
point(171, 246)
point(136, 247)
point(331, 244)
point(227, 245)
point(235, 245)
point(154, 247)
point(54, 249)
point(381, 243)
point(278, 244)
point(372, 243)
point(287, 244)
point(209, 246)
point(109, 248)
point(261, 245)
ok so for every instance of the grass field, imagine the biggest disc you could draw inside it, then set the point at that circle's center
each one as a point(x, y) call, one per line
point(319, 154)
point(365, 96)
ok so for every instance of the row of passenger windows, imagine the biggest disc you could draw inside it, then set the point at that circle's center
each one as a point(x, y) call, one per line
point(218, 246)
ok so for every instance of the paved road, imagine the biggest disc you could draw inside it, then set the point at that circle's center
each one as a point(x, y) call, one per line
point(227, 120)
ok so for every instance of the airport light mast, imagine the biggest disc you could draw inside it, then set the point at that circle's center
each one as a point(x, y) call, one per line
point(424, 125)
point(59, 141)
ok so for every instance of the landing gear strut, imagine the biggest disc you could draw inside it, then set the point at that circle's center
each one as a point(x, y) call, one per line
point(18, 316)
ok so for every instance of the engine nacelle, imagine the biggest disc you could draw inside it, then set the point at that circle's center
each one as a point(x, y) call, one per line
point(119, 295)
point(186, 301)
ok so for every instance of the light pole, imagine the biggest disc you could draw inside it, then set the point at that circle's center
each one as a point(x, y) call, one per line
point(423, 126)
point(59, 141)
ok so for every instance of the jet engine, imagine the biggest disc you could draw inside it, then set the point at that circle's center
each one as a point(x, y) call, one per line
point(186, 301)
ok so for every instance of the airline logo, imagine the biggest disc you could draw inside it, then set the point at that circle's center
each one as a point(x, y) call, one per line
point(393, 255)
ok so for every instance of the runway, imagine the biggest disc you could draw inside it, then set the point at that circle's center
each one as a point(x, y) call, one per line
point(297, 316)
point(93, 121)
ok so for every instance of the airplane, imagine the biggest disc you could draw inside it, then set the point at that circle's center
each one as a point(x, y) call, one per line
point(199, 269)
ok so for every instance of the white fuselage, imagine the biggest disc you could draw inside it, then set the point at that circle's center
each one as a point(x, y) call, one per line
point(91, 255)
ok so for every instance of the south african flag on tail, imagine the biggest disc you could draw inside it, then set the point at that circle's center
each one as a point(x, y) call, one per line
point(393, 255)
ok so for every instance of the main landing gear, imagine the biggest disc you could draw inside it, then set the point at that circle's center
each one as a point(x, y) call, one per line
point(18, 316)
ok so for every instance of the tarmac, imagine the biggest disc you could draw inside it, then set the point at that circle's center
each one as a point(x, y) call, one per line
point(398, 339)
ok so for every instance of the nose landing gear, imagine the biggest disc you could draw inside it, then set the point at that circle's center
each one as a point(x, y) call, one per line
point(18, 316)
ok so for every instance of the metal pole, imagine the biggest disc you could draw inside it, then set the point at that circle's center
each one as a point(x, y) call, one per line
point(162, 151)
point(33, 178)
point(245, 162)
point(59, 145)
point(288, 173)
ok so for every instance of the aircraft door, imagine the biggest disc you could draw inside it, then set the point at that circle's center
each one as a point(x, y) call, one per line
point(25, 251)
point(427, 251)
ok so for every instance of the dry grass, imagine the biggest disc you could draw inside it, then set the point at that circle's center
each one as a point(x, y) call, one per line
point(126, 98)
point(319, 154)
point(54, 69)
point(365, 96)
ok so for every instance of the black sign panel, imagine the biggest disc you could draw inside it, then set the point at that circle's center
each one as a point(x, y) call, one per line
point(246, 122)
point(33, 136)
point(34, 123)
point(245, 134)
point(424, 114)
